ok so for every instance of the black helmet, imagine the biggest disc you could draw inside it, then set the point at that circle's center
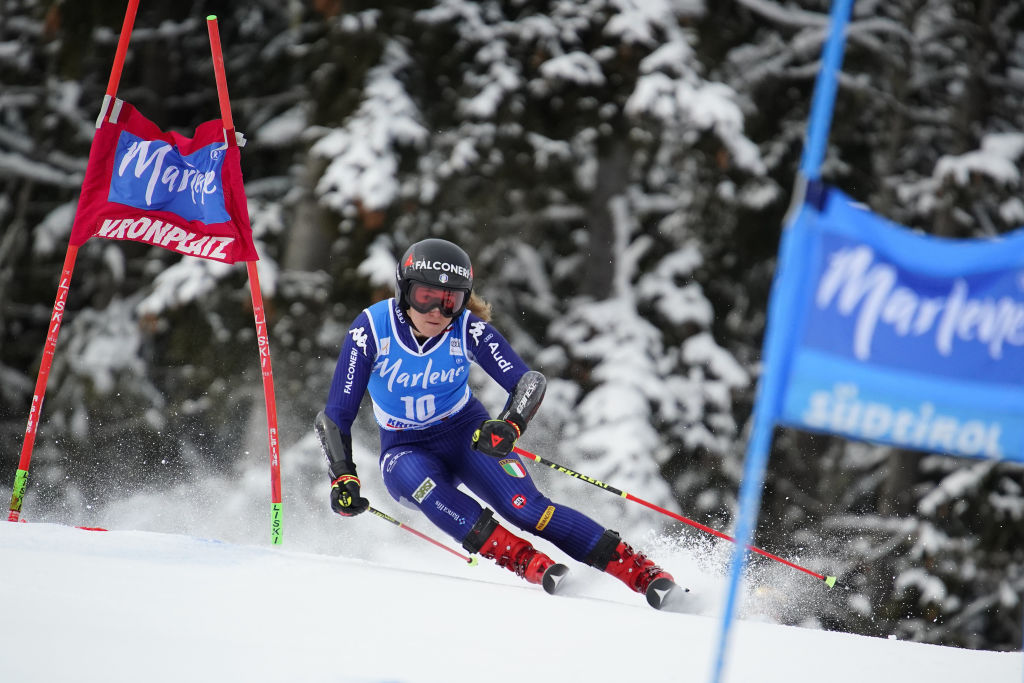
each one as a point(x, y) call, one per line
point(429, 266)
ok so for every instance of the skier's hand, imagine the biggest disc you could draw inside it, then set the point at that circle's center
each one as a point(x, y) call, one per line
point(345, 497)
point(496, 437)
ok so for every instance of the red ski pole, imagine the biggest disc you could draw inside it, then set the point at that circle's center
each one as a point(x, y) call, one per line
point(472, 561)
point(829, 580)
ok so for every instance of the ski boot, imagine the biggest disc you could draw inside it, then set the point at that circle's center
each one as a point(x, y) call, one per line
point(495, 542)
point(614, 556)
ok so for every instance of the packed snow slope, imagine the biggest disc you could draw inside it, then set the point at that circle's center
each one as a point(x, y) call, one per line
point(141, 606)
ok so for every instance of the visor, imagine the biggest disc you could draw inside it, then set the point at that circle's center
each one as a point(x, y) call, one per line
point(425, 298)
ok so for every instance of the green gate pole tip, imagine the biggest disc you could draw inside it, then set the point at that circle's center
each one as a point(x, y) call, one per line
point(211, 17)
point(276, 523)
point(473, 561)
point(830, 581)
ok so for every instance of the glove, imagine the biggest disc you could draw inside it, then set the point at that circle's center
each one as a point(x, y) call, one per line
point(345, 497)
point(496, 437)
point(337, 447)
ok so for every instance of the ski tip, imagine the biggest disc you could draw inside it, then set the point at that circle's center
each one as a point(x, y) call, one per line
point(553, 577)
point(830, 581)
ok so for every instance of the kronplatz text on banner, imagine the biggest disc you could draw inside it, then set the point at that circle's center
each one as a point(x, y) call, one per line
point(147, 185)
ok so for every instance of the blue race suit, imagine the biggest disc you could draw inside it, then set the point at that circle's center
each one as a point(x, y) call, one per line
point(427, 415)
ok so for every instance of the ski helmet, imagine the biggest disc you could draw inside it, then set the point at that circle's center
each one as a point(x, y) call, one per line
point(430, 265)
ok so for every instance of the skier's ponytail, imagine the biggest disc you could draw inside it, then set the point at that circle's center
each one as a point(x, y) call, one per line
point(479, 307)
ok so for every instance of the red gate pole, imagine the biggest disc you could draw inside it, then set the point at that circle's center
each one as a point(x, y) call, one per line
point(122, 50)
point(259, 314)
point(50, 347)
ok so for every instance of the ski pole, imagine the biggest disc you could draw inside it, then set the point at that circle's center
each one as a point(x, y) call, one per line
point(470, 560)
point(829, 580)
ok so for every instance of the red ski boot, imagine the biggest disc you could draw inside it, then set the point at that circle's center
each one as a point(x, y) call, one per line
point(516, 554)
point(611, 554)
point(634, 569)
point(497, 543)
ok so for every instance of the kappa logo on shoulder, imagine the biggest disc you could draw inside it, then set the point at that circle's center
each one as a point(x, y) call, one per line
point(359, 337)
point(476, 329)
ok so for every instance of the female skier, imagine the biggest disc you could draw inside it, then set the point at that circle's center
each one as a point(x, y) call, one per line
point(413, 353)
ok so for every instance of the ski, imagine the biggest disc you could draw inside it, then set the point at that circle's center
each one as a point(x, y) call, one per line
point(665, 594)
point(553, 577)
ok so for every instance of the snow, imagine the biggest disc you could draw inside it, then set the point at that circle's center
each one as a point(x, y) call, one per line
point(111, 348)
point(52, 233)
point(134, 606)
point(931, 588)
point(379, 265)
point(182, 282)
point(575, 67)
point(285, 128)
point(364, 154)
point(995, 159)
point(17, 166)
point(701, 348)
point(216, 580)
point(955, 486)
point(639, 21)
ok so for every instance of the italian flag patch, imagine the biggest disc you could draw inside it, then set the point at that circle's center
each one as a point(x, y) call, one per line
point(513, 468)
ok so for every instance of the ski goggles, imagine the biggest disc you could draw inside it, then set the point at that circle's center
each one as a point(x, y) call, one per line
point(425, 298)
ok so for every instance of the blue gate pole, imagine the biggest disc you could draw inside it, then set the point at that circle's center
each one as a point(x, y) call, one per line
point(750, 501)
point(776, 344)
point(823, 101)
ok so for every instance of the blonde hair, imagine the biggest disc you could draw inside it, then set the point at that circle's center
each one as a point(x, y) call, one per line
point(479, 307)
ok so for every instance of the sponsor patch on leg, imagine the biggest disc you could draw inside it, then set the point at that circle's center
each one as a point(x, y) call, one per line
point(423, 490)
point(546, 517)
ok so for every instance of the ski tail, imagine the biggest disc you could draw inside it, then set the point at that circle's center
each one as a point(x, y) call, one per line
point(665, 594)
point(553, 577)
